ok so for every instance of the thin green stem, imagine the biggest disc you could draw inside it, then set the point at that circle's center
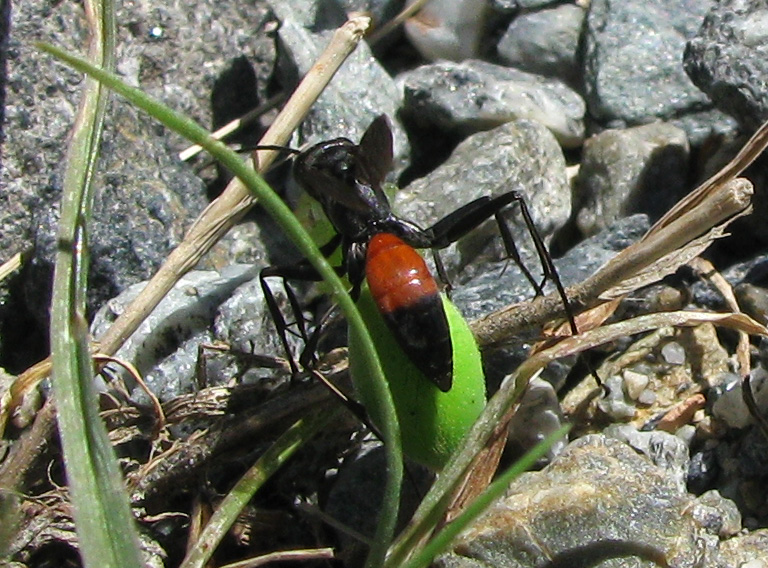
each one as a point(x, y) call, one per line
point(301, 239)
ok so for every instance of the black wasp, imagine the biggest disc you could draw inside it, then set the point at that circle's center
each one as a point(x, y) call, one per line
point(377, 245)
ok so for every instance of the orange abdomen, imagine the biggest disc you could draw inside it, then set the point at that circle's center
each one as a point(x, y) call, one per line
point(397, 275)
point(408, 299)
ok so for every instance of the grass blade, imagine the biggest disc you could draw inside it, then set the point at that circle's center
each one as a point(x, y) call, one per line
point(443, 539)
point(105, 526)
point(301, 239)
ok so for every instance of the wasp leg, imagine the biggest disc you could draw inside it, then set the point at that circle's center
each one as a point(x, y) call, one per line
point(455, 225)
point(548, 266)
point(302, 271)
point(295, 272)
point(442, 275)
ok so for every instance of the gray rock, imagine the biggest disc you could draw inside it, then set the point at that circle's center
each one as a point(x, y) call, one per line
point(517, 5)
point(718, 514)
point(703, 471)
point(538, 416)
point(178, 53)
point(729, 405)
point(753, 462)
point(358, 93)
point(39, 106)
point(534, 4)
point(545, 42)
point(447, 29)
point(728, 59)
point(380, 10)
point(139, 213)
point(598, 502)
point(521, 156)
point(310, 14)
point(354, 498)
point(753, 300)
point(476, 95)
point(615, 404)
point(705, 125)
point(746, 551)
point(663, 449)
point(673, 353)
point(204, 307)
point(635, 383)
point(504, 6)
point(739, 472)
point(637, 170)
point(633, 68)
point(144, 199)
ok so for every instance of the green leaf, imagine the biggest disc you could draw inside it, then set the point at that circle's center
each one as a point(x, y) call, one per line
point(433, 423)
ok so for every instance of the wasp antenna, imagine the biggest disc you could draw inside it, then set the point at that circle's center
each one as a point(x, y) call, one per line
point(274, 147)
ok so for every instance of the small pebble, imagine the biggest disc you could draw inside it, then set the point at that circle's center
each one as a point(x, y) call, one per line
point(682, 413)
point(729, 405)
point(614, 404)
point(635, 383)
point(673, 353)
point(647, 397)
point(686, 433)
point(702, 471)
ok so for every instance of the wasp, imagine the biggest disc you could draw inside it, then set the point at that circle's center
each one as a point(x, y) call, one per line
point(378, 246)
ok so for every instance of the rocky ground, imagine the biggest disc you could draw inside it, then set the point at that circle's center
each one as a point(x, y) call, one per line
point(603, 116)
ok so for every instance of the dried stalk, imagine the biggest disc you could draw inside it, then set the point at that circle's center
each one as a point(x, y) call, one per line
point(655, 247)
point(234, 125)
point(392, 24)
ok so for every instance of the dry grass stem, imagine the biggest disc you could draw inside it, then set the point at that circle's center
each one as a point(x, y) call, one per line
point(706, 270)
point(101, 359)
point(666, 247)
point(285, 556)
point(12, 264)
point(639, 258)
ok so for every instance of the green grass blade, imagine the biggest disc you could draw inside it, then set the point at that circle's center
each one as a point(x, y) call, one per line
point(105, 527)
point(301, 239)
point(440, 542)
